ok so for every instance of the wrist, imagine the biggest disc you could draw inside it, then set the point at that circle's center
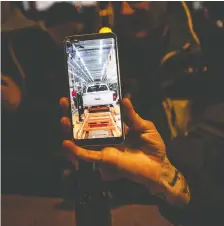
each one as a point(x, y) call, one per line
point(175, 188)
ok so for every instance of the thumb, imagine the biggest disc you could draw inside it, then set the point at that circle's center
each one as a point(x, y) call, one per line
point(82, 153)
point(133, 120)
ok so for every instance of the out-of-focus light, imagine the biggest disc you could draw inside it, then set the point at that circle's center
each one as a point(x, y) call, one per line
point(186, 46)
point(219, 23)
point(105, 30)
point(190, 70)
point(197, 5)
point(100, 55)
point(205, 68)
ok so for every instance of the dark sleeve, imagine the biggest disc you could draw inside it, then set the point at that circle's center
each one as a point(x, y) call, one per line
point(183, 53)
point(8, 67)
point(197, 158)
point(184, 48)
point(179, 32)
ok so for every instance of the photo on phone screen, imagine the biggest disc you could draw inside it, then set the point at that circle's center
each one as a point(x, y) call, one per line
point(94, 88)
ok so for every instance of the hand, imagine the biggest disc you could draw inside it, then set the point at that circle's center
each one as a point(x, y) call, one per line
point(10, 93)
point(141, 159)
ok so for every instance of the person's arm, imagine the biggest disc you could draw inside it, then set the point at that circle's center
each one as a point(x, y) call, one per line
point(176, 190)
point(142, 159)
point(183, 47)
point(206, 192)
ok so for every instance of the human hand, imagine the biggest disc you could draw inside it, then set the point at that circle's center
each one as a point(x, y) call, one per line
point(142, 158)
point(10, 93)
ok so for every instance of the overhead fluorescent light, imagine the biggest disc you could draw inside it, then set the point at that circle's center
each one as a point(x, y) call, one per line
point(78, 54)
point(100, 57)
point(76, 75)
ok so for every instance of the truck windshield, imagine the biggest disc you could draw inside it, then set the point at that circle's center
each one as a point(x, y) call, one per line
point(97, 88)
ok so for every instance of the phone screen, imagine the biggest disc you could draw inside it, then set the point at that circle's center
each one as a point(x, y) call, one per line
point(94, 88)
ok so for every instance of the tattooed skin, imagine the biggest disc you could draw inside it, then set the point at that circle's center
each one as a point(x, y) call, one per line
point(176, 190)
point(175, 179)
point(186, 188)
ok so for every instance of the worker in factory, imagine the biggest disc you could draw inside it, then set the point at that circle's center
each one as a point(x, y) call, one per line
point(79, 101)
point(74, 93)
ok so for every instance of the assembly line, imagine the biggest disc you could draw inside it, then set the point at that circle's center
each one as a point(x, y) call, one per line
point(94, 89)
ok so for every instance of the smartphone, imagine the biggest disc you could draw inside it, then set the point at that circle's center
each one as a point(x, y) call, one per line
point(94, 89)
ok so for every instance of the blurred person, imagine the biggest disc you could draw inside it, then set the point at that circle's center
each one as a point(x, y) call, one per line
point(12, 75)
point(31, 72)
point(62, 20)
point(32, 82)
point(11, 97)
point(150, 30)
point(79, 100)
point(146, 32)
point(74, 94)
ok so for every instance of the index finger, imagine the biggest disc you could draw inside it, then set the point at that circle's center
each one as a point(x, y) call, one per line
point(64, 104)
point(133, 120)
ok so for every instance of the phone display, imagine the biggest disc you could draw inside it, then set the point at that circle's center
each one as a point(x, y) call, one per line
point(94, 89)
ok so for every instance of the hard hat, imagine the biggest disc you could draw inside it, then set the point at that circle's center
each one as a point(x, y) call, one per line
point(105, 30)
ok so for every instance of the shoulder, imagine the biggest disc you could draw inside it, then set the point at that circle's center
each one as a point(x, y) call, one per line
point(181, 26)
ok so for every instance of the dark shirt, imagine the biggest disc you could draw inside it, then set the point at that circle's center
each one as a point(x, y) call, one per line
point(79, 99)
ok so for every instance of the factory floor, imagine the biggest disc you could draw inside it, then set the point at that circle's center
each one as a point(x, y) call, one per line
point(115, 112)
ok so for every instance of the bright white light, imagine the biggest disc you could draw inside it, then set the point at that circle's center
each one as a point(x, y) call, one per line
point(26, 5)
point(197, 5)
point(101, 43)
point(76, 75)
point(100, 57)
point(44, 5)
point(103, 71)
point(77, 66)
point(88, 3)
point(78, 54)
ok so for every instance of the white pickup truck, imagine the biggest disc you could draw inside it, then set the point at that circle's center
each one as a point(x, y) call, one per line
point(98, 94)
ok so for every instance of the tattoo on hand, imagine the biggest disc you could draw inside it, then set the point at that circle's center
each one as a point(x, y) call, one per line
point(176, 177)
point(186, 189)
point(176, 187)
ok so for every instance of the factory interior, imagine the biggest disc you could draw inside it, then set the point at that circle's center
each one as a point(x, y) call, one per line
point(92, 71)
